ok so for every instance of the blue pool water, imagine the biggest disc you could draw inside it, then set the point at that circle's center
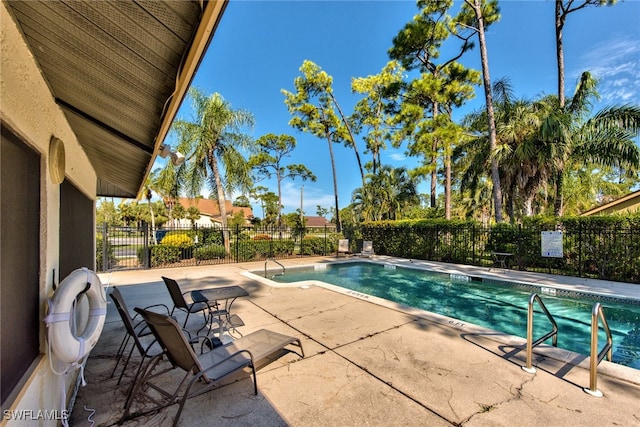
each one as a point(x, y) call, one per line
point(497, 305)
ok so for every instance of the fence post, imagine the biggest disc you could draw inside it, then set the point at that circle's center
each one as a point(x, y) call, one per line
point(518, 255)
point(146, 258)
point(105, 252)
point(473, 243)
point(580, 249)
point(324, 247)
point(237, 243)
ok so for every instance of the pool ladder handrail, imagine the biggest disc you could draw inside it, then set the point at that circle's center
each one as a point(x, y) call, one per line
point(530, 343)
point(274, 260)
point(596, 358)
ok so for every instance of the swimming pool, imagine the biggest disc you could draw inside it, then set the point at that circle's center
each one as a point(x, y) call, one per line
point(501, 306)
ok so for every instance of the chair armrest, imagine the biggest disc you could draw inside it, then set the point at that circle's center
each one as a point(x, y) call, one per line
point(211, 342)
point(152, 306)
point(146, 328)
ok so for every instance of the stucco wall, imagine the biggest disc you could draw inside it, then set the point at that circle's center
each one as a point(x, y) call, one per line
point(28, 109)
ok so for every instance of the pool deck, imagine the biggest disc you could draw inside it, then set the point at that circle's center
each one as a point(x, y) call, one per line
point(370, 362)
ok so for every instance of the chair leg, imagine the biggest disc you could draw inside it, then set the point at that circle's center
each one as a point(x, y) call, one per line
point(186, 320)
point(208, 318)
point(138, 386)
point(126, 363)
point(123, 345)
point(255, 379)
point(138, 382)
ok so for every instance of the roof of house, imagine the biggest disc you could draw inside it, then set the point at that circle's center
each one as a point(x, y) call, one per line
point(628, 203)
point(210, 207)
point(318, 221)
point(119, 71)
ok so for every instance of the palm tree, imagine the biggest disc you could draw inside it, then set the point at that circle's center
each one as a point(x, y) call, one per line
point(363, 203)
point(151, 185)
point(523, 158)
point(604, 139)
point(541, 143)
point(385, 195)
point(212, 144)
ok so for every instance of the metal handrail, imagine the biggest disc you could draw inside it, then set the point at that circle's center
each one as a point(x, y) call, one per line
point(596, 357)
point(274, 260)
point(530, 343)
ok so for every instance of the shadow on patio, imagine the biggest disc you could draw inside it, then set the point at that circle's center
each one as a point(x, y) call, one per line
point(365, 364)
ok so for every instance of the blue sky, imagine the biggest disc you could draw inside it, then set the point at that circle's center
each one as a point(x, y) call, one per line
point(259, 47)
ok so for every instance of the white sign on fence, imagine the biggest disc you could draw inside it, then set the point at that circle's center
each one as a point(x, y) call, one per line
point(552, 244)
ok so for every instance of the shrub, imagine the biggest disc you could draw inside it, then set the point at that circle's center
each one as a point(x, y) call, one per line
point(247, 250)
point(242, 236)
point(210, 236)
point(262, 237)
point(317, 246)
point(111, 258)
point(605, 247)
point(160, 255)
point(210, 252)
point(178, 240)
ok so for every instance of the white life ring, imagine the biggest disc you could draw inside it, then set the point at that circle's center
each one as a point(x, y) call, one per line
point(64, 343)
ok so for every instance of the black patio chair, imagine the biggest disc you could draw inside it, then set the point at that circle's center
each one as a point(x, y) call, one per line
point(139, 332)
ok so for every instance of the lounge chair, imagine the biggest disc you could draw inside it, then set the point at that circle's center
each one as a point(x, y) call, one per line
point(143, 339)
point(367, 248)
point(343, 247)
point(209, 368)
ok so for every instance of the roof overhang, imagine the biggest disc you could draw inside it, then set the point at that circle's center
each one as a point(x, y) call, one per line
point(628, 203)
point(119, 70)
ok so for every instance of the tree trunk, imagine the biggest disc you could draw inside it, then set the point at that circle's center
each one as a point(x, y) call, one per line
point(279, 179)
point(558, 203)
point(528, 205)
point(335, 183)
point(222, 205)
point(353, 141)
point(495, 174)
point(560, 20)
point(434, 162)
point(559, 24)
point(511, 210)
point(447, 187)
point(153, 223)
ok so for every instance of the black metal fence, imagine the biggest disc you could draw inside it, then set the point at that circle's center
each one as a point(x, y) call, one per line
point(605, 251)
point(608, 251)
point(141, 247)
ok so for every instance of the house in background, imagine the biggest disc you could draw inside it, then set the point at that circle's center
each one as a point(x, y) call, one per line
point(626, 204)
point(318, 224)
point(88, 92)
point(210, 212)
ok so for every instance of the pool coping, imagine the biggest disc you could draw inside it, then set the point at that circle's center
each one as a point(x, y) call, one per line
point(584, 286)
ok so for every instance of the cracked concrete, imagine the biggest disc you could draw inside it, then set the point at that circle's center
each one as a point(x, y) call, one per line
point(365, 364)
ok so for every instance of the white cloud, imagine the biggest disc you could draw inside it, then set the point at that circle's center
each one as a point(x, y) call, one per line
point(397, 157)
point(312, 196)
point(616, 64)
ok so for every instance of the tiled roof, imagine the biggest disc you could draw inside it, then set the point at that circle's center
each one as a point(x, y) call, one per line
point(210, 207)
point(318, 221)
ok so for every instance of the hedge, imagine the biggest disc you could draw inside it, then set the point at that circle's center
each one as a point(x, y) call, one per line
point(606, 247)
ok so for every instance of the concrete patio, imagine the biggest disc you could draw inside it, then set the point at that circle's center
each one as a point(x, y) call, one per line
point(365, 364)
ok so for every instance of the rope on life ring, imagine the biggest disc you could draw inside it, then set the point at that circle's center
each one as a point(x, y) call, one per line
point(62, 337)
point(63, 341)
